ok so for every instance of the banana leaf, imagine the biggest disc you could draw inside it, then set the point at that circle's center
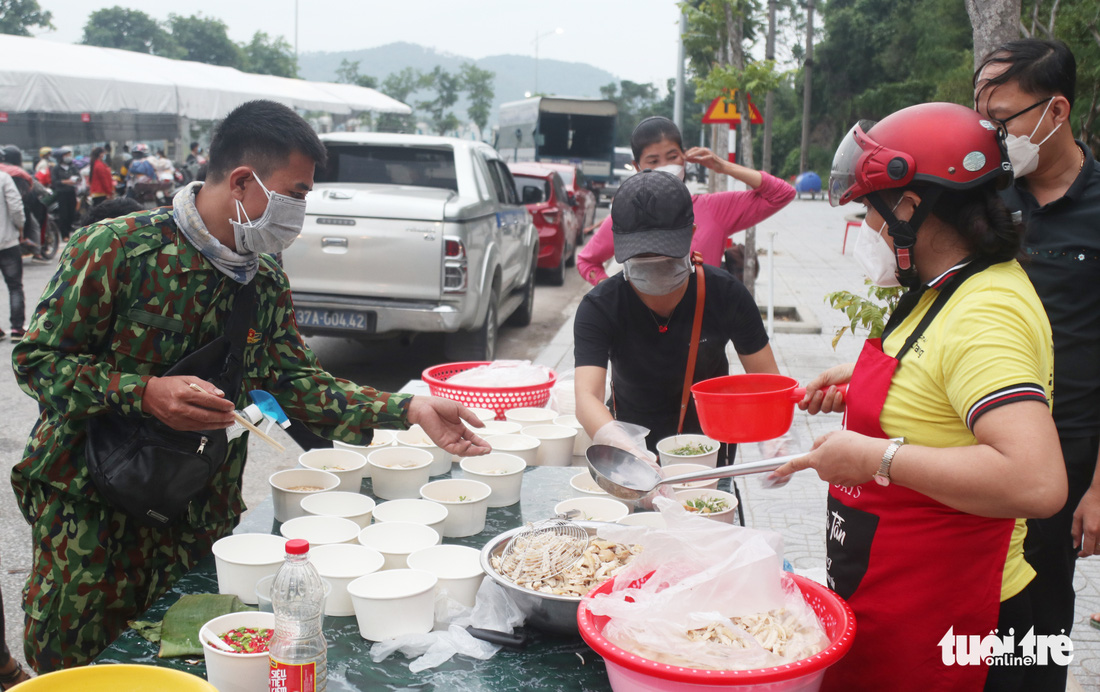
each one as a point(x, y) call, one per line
point(178, 634)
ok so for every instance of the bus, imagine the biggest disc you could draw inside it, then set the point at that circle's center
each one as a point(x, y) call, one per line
point(551, 129)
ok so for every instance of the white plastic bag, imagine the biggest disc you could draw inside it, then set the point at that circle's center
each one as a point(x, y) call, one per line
point(563, 395)
point(503, 373)
point(703, 572)
point(493, 610)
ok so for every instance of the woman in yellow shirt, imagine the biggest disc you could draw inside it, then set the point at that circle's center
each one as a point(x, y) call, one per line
point(948, 437)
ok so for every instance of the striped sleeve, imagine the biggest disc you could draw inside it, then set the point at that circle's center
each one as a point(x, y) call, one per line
point(1005, 395)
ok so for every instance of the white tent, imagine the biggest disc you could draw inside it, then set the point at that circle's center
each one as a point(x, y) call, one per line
point(39, 76)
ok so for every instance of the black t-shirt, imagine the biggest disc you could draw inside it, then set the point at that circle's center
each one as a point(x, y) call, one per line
point(1062, 258)
point(647, 367)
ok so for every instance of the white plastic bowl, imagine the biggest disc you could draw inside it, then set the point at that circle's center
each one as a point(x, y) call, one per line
point(501, 472)
point(353, 506)
point(594, 508)
point(483, 414)
point(398, 472)
point(457, 567)
point(678, 469)
point(466, 501)
point(389, 604)
point(530, 415)
point(396, 540)
point(582, 442)
point(584, 486)
point(417, 511)
point(232, 672)
point(497, 427)
point(555, 444)
point(669, 443)
point(523, 446)
point(243, 559)
point(321, 530)
point(727, 515)
point(654, 520)
point(343, 463)
point(286, 496)
point(416, 438)
point(340, 565)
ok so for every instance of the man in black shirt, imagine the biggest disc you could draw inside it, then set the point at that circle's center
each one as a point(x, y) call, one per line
point(1028, 86)
point(641, 320)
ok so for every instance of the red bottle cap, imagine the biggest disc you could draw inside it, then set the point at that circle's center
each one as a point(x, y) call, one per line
point(297, 546)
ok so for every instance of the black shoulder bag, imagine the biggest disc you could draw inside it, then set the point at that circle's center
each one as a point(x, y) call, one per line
point(152, 472)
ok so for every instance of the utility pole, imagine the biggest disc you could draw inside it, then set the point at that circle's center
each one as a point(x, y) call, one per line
point(769, 100)
point(807, 88)
point(295, 29)
point(678, 95)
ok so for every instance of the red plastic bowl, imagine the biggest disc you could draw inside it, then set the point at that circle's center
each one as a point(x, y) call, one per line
point(746, 408)
point(500, 399)
point(627, 671)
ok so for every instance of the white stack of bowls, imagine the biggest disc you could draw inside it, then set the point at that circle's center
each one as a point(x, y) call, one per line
point(396, 540)
point(321, 530)
point(531, 415)
point(243, 559)
point(392, 603)
point(582, 442)
point(457, 568)
point(417, 511)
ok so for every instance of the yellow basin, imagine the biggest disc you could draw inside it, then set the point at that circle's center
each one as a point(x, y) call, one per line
point(118, 678)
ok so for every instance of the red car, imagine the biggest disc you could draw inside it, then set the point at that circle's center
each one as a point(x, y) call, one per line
point(542, 190)
point(581, 198)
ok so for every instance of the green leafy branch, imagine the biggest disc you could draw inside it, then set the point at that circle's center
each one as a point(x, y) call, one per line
point(724, 81)
point(867, 313)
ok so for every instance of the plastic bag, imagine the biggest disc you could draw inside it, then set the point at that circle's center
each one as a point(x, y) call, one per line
point(493, 610)
point(563, 396)
point(503, 373)
point(705, 573)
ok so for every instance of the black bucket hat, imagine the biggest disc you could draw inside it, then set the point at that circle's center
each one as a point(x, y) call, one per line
point(652, 213)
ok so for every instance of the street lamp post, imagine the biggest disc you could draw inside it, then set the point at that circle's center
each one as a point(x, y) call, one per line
point(538, 36)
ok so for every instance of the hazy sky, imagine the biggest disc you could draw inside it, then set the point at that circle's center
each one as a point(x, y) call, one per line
point(632, 39)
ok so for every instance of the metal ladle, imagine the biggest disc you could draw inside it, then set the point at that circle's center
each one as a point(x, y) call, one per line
point(625, 476)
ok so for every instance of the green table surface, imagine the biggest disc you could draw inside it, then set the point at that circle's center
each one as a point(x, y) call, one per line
point(548, 663)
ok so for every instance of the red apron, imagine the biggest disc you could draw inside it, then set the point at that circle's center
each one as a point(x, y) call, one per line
point(910, 567)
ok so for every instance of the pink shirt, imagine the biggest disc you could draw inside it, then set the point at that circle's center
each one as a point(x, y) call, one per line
point(717, 217)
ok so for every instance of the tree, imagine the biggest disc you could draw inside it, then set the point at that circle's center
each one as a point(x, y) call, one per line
point(134, 30)
point(17, 17)
point(478, 85)
point(205, 39)
point(348, 73)
point(262, 55)
point(994, 22)
point(446, 88)
point(399, 86)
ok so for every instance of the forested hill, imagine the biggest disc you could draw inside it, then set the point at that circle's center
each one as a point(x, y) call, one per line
point(515, 74)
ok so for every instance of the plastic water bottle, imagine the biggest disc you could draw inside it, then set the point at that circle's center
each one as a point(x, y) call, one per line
point(298, 651)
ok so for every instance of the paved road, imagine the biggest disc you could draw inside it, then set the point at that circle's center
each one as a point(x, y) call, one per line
point(386, 365)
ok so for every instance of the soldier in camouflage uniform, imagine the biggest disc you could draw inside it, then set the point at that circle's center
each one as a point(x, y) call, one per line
point(131, 297)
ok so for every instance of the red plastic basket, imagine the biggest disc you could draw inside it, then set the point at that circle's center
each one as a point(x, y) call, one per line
point(499, 399)
point(634, 672)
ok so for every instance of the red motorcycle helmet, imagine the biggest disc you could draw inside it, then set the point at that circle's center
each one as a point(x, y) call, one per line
point(943, 144)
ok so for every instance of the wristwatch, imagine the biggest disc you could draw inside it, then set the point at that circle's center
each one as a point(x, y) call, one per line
point(882, 477)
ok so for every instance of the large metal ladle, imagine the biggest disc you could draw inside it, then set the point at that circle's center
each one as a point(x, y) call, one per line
point(625, 476)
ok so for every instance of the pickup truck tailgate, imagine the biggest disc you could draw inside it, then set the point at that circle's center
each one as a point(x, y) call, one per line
point(364, 240)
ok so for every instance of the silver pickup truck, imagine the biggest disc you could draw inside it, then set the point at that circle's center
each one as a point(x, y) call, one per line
point(406, 234)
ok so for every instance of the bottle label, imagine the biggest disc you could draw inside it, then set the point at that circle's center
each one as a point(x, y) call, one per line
point(290, 677)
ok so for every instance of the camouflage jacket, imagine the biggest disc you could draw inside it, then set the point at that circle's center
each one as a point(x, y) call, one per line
point(130, 298)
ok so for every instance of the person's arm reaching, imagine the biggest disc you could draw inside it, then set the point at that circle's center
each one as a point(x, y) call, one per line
point(600, 248)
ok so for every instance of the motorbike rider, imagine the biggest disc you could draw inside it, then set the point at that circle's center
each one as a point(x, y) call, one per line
point(32, 193)
point(65, 179)
point(43, 165)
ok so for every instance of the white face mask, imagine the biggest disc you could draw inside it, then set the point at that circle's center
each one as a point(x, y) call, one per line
point(875, 256)
point(275, 230)
point(673, 168)
point(657, 276)
point(1022, 152)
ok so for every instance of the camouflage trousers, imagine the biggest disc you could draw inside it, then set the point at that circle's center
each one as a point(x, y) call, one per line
point(93, 569)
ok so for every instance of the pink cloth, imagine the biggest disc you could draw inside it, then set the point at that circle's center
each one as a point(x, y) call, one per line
point(717, 217)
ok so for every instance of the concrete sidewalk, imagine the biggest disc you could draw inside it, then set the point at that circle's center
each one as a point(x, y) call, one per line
point(808, 264)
